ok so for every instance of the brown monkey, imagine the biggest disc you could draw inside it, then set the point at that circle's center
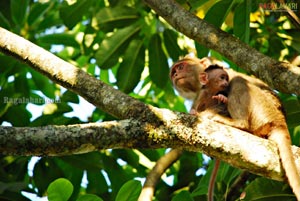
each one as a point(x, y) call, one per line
point(209, 95)
point(254, 107)
point(212, 97)
point(214, 82)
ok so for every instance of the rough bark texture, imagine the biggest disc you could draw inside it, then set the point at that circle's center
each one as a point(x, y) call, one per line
point(176, 130)
point(282, 76)
point(59, 71)
point(148, 127)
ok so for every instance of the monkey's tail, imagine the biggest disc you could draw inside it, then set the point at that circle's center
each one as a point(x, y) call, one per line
point(212, 181)
point(282, 139)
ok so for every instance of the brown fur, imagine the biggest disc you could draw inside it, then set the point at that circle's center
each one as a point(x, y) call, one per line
point(252, 107)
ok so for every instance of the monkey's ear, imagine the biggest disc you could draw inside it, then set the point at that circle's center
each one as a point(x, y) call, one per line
point(205, 61)
point(203, 78)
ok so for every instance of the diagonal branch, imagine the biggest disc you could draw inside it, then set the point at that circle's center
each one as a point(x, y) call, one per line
point(59, 71)
point(282, 76)
point(157, 171)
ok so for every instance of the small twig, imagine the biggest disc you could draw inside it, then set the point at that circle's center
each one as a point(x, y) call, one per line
point(155, 174)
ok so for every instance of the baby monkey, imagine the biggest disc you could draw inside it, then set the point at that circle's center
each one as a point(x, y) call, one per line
point(214, 81)
point(209, 95)
point(212, 97)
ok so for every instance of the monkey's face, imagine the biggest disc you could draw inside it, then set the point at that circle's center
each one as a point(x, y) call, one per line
point(184, 76)
point(218, 80)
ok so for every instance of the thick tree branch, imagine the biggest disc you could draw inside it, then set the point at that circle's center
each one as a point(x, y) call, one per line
point(282, 76)
point(59, 71)
point(149, 127)
point(177, 130)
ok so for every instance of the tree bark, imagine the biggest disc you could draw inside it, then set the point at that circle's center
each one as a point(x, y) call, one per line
point(282, 76)
point(146, 126)
point(95, 91)
point(177, 130)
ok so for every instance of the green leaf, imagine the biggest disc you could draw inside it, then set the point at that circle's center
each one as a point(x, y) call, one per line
point(37, 11)
point(74, 175)
point(158, 65)
point(130, 70)
point(59, 39)
point(43, 84)
point(18, 10)
point(218, 12)
point(109, 18)
point(72, 14)
point(21, 84)
point(23, 115)
point(292, 108)
point(4, 22)
point(170, 39)
point(60, 190)
point(130, 191)
point(12, 186)
point(112, 47)
point(241, 21)
point(44, 172)
point(268, 190)
point(202, 51)
point(116, 173)
point(90, 161)
point(96, 179)
point(70, 96)
point(128, 156)
point(89, 197)
point(183, 195)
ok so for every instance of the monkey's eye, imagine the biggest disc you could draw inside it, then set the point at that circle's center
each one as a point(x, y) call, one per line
point(224, 77)
point(180, 66)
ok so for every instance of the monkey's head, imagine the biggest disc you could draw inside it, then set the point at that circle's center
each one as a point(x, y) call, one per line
point(184, 75)
point(215, 78)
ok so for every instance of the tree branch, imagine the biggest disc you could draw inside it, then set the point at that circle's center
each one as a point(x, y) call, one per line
point(59, 71)
point(157, 171)
point(177, 130)
point(282, 76)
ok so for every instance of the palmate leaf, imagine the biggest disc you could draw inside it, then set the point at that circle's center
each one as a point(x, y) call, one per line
point(112, 47)
point(129, 72)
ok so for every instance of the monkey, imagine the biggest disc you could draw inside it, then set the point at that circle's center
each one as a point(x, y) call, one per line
point(185, 75)
point(210, 95)
point(253, 107)
point(214, 83)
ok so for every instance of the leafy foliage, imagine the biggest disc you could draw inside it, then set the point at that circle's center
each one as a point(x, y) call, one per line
point(128, 46)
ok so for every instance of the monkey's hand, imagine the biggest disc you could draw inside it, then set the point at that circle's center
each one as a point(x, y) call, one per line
point(221, 98)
